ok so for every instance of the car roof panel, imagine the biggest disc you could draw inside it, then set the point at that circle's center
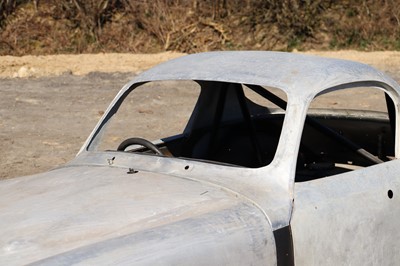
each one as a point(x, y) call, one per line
point(294, 73)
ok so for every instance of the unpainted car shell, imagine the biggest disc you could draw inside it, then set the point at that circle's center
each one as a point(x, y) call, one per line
point(96, 210)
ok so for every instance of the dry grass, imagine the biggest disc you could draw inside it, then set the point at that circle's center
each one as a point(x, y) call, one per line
point(87, 26)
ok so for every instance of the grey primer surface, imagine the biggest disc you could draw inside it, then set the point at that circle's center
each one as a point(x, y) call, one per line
point(108, 207)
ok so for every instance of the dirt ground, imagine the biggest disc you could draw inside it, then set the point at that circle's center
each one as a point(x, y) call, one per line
point(50, 104)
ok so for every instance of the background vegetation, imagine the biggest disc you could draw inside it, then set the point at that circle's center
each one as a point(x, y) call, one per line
point(91, 26)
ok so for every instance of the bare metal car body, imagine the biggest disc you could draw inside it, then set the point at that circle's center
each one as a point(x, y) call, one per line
point(197, 208)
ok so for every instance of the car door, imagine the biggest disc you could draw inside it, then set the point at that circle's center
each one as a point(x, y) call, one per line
point(348, 219)
point(348, 215)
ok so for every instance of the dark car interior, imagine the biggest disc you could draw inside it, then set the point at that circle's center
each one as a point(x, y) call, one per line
point(228, 128)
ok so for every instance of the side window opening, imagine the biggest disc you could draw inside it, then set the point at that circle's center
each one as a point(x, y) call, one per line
point(346, 130)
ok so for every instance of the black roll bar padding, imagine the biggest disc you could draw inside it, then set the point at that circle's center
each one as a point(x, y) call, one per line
point(247, 117)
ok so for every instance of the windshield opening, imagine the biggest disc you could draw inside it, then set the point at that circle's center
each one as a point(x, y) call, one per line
point(219, 122)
